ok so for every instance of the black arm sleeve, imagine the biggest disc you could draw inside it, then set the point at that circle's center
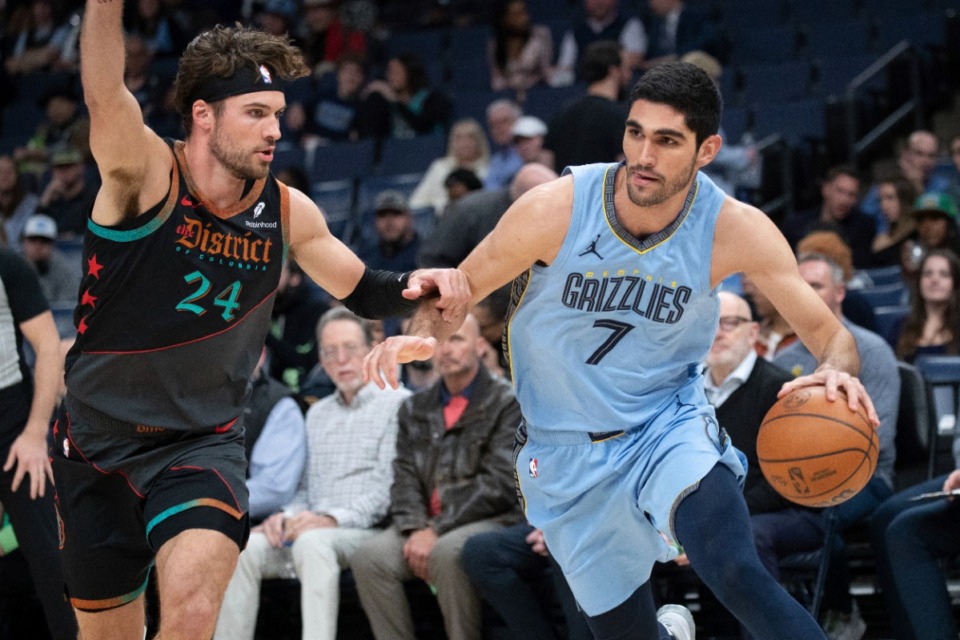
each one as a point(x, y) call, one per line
point(378, 295)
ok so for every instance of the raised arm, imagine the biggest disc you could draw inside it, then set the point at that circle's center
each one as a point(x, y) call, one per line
point(128, 154)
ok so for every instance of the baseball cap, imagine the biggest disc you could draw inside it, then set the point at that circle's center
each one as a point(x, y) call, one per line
point(529, 127)
point(284, 8)
point(40, 226)
point(933, 204)
point(390, 200)
point(63, 157)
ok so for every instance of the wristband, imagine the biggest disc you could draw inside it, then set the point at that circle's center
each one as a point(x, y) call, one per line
point(379, 294)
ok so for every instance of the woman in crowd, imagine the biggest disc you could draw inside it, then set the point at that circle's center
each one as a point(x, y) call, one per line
point(932, 326)
point(467, 148)
point(520, 54)
point(897, 195)
point(404, 105)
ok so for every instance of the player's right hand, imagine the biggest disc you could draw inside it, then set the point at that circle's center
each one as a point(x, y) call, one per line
point(382, 363)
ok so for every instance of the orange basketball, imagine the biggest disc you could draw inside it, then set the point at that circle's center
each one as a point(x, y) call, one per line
point(815, 452)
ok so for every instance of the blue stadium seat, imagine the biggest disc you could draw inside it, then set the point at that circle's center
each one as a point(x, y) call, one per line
point(63, 318)
point(543, 102)
point(887, 295)
point(410, 155)
point(887, 318)
point(795, 121)
point(880, 276)
point(769, 45)
point(745, 15)
point(467, 59)
point(473, 104)
point(835, 74)
point(775, 82)
point(850, 38)
point(342, 160)
point(336, 199)
point(427, 44)
point(369, 188)
point(20, 120)
point(822, 12)
point(928, 28)
point(734, 123)
point(287, 155)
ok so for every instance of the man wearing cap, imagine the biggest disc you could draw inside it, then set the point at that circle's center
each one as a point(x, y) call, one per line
point(528, 134)
point(58, 278)
point(64, 127)
point(397, 243)
point(68, 196)
point(504, 159)
point(182, 258)
point(936, 215)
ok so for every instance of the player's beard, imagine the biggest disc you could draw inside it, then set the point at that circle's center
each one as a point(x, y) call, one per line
point(237, 161)
point(665, 192)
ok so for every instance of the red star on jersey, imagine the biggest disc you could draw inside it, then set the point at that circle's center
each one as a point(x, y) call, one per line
point(93, 268)
point(82, 327)
point(88, 299)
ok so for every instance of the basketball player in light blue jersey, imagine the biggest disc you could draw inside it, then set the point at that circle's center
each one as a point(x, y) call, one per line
point(619, 458)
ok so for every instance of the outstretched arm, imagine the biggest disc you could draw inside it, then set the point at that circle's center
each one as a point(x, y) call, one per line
point(126, 151)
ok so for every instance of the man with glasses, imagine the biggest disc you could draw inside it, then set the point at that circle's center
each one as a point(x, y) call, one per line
point(344, 491)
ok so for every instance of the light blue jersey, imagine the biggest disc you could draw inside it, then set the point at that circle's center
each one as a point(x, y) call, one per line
point(609, 332)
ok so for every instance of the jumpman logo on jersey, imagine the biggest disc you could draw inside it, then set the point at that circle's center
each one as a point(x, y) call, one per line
point(591, 249)
point(681, 405)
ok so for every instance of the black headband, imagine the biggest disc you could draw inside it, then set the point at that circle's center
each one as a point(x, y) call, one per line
point(243, 80)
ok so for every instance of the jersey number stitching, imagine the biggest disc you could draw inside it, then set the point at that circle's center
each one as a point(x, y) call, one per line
point(620, 329)
point(226, 298)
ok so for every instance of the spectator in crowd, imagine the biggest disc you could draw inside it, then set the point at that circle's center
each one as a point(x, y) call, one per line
point(277, 17)
point(326, 39)
point(856, 307)
point(590, 129)
point(17, 203)
point(837, 212)
point(68, 196)
point(397, 243)
point(41, 42)
point(404, 105)
point(502, 564)
point(343, 494)
point(528, 136)
point(520, 54)
point(453, 479)
point(274, 439)
point(736, 165)
point(916, 161)
point(59, 278)
point(151, 20)
point(466, 149)
point(491, 315)
point(472, 217)
point(932, 325)
point(459, 183)
point(675, 28)
point(936, 215)
point(953, 189)
point(896, 196)
point(505, 160)
point(292, 340)
point(145, 85)
point(775, 332)
point(26, 403)
point(910, 537)
point(602, 20)
point(793, 529)
point(333, 114)
point(64, 128)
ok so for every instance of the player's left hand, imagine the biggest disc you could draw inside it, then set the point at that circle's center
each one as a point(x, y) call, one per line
point(832, 380)
point(29, 454)
point(381, 365)
point(452, 286)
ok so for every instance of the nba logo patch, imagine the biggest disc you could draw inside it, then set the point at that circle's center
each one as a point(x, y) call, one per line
point(66, 448)
point(265, 74)
point(533, 468)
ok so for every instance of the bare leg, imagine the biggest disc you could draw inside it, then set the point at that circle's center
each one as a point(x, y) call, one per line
point(121, 623)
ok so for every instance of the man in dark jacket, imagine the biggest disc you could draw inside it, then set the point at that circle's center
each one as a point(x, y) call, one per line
point(453, 478)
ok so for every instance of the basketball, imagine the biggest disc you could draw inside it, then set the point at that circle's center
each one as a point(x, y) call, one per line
point(815, 452)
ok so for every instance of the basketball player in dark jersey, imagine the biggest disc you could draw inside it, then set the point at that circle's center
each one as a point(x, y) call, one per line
point(182, 258)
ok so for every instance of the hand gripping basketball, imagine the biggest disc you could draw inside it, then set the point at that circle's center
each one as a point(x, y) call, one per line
point(815, 452)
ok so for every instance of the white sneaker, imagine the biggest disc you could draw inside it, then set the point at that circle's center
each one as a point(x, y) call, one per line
point(845, 626)
point(678, 621)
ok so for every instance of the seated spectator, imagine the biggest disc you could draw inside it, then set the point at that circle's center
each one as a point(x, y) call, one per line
point(775, 333)
point(274, 439)
point(837, 212)
point(501, 564)
point(59, 278)
point(41, 42)
point(590, 128)
point(145, 85)
point(151, 20)
point(277, 17)
point(459, 183)
point(520, 54)
point(397, 243)
point(17, 204)
point(897, 196)
point(453, 479)
point(69, 196)
point(856, 307)
point(953, 189)
point(491, 315)
point(602, 20)
point(776, 535)
point(910, 538)
point(466, 149)
point(675, 28)
point(505, 160)
point(404, 105)
point(528, 135)
point(64, 128)
point(472, 217)
point(936, 216)
point(932, 326)
point(343, 494)
point(333, 114)
point(327, 39)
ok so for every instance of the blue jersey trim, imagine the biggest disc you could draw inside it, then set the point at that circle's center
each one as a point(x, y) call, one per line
point(129, 235)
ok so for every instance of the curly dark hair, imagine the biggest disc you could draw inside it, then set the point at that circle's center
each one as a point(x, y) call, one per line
point(686, 88)
point(221, 51)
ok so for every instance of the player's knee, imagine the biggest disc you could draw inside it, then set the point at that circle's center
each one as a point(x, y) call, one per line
point(190, 616)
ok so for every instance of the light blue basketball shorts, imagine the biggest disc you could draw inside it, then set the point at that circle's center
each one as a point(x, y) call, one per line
point(606, 501)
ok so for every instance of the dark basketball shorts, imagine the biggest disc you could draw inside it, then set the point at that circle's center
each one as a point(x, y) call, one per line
point(123, 490)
